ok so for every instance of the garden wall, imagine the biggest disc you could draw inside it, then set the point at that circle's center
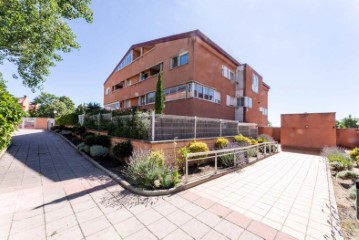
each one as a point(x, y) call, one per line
point(311, 131)
point(274, 132)
point(169, 147)
point(348, 138)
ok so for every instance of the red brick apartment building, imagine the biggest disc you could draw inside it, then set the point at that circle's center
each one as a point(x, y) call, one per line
point(199, 79)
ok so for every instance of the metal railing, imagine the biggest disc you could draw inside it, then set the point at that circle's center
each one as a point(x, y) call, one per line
point(169, 127)
point(242, 156)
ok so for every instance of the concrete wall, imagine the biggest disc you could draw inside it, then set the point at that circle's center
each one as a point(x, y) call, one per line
point(41, 123)
point(308, 131)
point(274, 132)
point(348, 138)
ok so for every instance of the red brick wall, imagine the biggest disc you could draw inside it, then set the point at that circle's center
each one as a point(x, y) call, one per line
point(274, 132)
point(41, 123)
point(308, 131)
point(259, 99)
point(348, 138)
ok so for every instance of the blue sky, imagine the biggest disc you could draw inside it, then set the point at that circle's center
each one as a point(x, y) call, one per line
point(307, 50)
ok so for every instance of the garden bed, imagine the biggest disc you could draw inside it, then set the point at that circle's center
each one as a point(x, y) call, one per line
point(344, 172)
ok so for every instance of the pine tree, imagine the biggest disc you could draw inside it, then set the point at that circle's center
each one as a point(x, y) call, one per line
point(159, 96)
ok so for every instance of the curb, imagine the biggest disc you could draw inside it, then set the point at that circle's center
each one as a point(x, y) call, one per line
point(4, 150)
point(334, 215)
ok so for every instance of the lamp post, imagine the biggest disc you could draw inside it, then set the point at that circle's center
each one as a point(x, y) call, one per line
point(55, 113)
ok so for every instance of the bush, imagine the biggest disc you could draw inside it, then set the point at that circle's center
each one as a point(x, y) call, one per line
point(86, 134)
point(254, 142)
point(352, 193)
point(354, 154)
point(197, 147)
point(242, 139)
point(221, 143)
point(228, 159)
point(337, 166)
point(146, 170)
point(68, 119)
point(183, 153)
point(83, 147)
point(347, 175)
point(97, 140)
point(158, 158)
point(79, 130)
point(335, 154)
point(98, 151)
point(193, 147)
point(10, 115)
point(123, 149)
point(89, 140)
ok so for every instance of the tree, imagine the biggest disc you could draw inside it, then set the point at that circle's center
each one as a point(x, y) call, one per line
point(348, 122)
point(159, 96)
point(10, 114)
point(34, 33)
point(52, 106)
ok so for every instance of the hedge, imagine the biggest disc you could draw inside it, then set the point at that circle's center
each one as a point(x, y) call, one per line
point(68, 119)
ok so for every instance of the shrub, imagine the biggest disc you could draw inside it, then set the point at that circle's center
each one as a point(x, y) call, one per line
point(158, 158)
point(221, 143)
point(183, 153)
point(86, 134)
point(10, 114)
point(97, 140)
point(89, 140)
point(352, 193)
point(146, 170)
point(242, 139)
point(264, 138)
point(347, 175)
point(98, 151)
point(123, 149)
point(196, 146)
point(335, 154)
point(354, 154)
point(68, 119)
point(79, 130)
point(254, 142)
point(228, 159)
point(337, 166)
point(83, 147)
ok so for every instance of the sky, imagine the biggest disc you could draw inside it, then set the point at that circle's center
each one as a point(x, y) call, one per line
point(306, 50)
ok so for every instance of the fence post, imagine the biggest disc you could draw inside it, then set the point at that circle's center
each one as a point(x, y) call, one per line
point(215, 163)
point(98, 121)
point(357, 188)
point(153, 127)
point(265, 149)
point(195, 127)
point(220, 127)
point(235, 159)
point(186, 169)
point(257, 152)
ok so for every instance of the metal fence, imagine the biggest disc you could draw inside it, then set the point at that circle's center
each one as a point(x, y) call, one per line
point(169, 127)
point(225, 159)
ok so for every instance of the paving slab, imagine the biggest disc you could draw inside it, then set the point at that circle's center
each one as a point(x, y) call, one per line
point(49, 191)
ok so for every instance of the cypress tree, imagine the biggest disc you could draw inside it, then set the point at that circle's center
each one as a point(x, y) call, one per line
point(159, 96)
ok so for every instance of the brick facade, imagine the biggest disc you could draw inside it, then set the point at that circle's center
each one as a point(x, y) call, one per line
point(203, 71)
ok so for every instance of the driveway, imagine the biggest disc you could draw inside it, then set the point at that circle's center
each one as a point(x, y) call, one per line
point(49, 191)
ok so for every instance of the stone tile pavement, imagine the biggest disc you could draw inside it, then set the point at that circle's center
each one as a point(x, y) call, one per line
point(49, 191)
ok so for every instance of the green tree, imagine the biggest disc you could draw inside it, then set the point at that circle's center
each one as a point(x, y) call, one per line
point(159, 96)
point(10, 114)
point(348, 122)
point(52, 106)
point(34, 33)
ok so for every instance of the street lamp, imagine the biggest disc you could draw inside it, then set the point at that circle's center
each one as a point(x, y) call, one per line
point(55, 113)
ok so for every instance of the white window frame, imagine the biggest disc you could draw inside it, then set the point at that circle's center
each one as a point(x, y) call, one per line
point(255, 83)
point(226, 72)
point(178, 60)
point(108, 90)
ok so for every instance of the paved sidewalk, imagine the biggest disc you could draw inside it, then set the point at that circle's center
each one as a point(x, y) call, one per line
point(49, 191)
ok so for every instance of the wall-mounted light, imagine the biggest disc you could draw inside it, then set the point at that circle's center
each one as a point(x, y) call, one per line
point(306, 126)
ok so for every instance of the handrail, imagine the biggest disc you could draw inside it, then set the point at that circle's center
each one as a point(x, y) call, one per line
point(222, 152)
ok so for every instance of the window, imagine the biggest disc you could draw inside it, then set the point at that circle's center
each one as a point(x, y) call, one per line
point(126, 61)
point(127, 104)
point(179, 60)
point(174, 93)
point(141, 101)
point(255, 83)
point(150, 98)
point(204, 93)
point(108, 91)
point(143, 76)
point(245, 102)
point(264, 111)
point(112, 106)
point(227, 73)
point(231, 101)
